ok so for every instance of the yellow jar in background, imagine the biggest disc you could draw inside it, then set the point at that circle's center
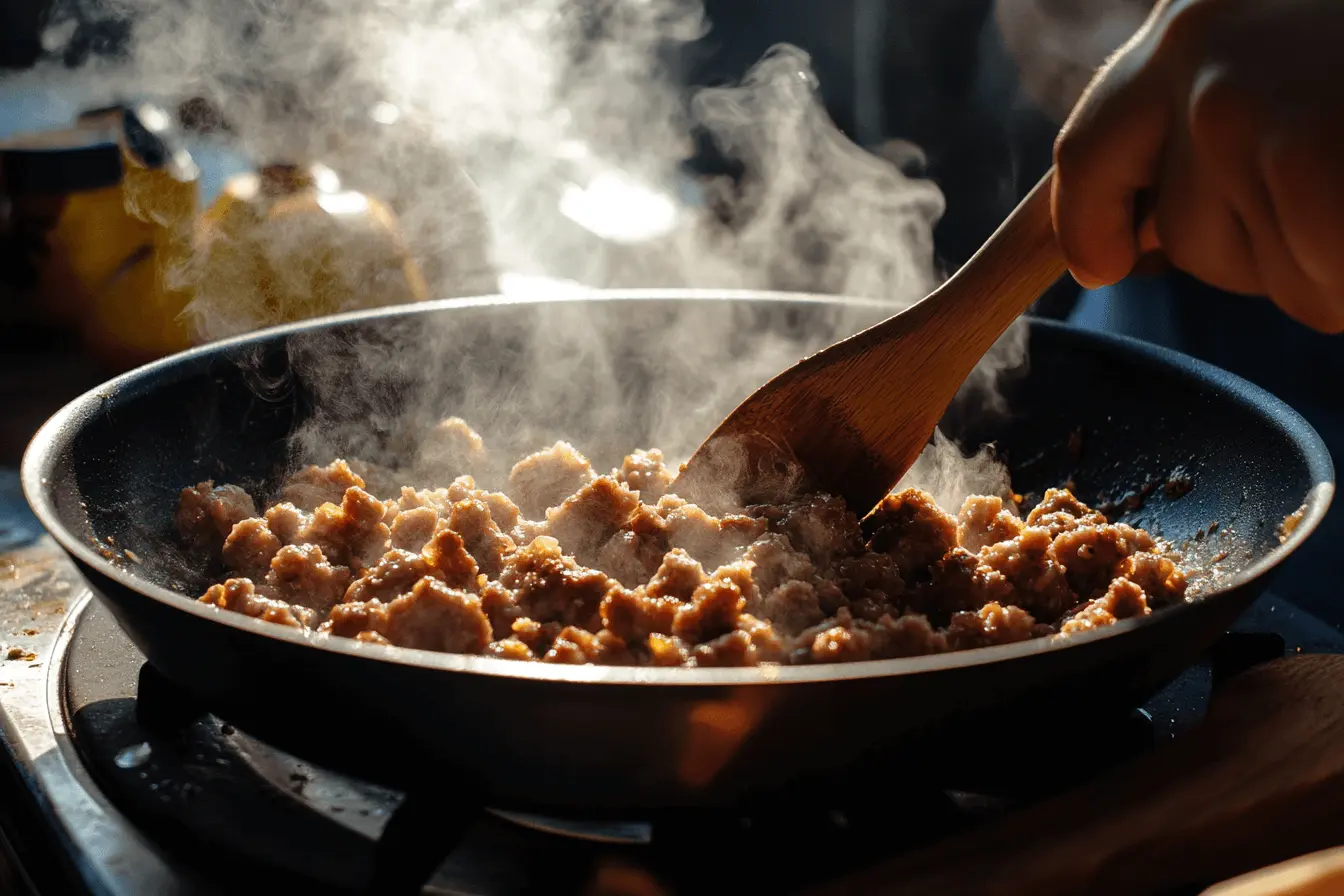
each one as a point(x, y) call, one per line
point(287, 243)
point(104, 211)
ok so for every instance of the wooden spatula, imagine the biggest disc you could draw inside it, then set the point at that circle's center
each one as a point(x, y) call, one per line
point(856, 415)
point(1318, 874)
point(1260, 780)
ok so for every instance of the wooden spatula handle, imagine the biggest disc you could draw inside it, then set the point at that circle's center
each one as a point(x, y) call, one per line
point(1019, 261)
point(1258, 781)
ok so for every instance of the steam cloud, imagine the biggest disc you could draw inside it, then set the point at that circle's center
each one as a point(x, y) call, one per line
point(545, 138)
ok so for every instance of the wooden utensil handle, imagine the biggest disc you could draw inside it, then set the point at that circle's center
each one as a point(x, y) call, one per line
point(1018, 262)
point(1258, 781)
point(1317, 874)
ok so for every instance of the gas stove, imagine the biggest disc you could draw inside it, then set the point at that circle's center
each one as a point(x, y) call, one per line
point(116, 783)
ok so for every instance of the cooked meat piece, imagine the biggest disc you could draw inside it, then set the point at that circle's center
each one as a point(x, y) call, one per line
point(631, 557)
point(739, 574)
point(430, 616)
point(545, 479)
point(509, 649)
point(910, 635)
point(770, 646)
point(846, 639)
point(549, 585)
point(435, 498)
point(391, 576)
point(446, 554)
point(914, 530)
point(352, 534)
point(667, 650)
point(1122, 600)
point(474, 520)
point(348, 620)
point(250, 547)
point(711, 540)
point(959, 582)
point(449, 449)
point(873, 578)
point(241, 596)
point(411, 529)
point(678, 576)
point(463, 488)
point(286, 522)
point(647, 473)
point(301, 575)
point(733, 648)
point(314, 486)
point(992, 624)
point(633, 615)
point(436, 617)
point(1158, 576)
point(528, 531)
point(500, 608)
point(820, 526)
point(1038, 581)
point(586, 520)
point(576, 646)
point(503, 512)
point(538, 636)
point(775, 562)
point(207, 513)
point(1091, 555)
point(985, 520)
point(712, 610)
point(792, 606)
point(1060, 512)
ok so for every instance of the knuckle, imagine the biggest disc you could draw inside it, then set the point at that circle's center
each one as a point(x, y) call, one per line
point(1070, 150)
point(1215, 104)
point(1183, 23)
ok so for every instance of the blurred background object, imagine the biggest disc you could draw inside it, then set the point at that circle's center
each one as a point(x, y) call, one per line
point(928, 89)
point(97, 214)
point(931, 76)
point(288, 243)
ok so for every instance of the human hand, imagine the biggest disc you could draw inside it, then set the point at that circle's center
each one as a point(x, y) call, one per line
point(1225, 118)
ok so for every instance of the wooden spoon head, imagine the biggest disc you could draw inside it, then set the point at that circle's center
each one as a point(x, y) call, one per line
point(846, 415)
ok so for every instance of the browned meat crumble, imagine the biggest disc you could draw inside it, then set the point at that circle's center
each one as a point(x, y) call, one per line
point(569, 566)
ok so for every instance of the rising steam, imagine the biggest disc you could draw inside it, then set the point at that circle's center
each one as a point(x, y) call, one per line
point(546, 138)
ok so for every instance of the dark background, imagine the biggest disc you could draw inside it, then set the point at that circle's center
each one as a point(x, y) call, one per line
point(930, 73)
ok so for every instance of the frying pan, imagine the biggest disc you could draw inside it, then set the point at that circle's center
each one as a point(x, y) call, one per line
point(612, 372)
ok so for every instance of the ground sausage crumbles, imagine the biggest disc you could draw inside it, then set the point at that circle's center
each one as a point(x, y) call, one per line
point(568, 566)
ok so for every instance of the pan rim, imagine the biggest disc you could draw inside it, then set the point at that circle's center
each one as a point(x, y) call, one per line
point(54, 434)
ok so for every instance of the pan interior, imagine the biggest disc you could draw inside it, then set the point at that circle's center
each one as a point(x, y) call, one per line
point(1188, 446)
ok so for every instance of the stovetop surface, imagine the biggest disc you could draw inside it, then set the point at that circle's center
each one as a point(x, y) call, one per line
point(117, 784)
